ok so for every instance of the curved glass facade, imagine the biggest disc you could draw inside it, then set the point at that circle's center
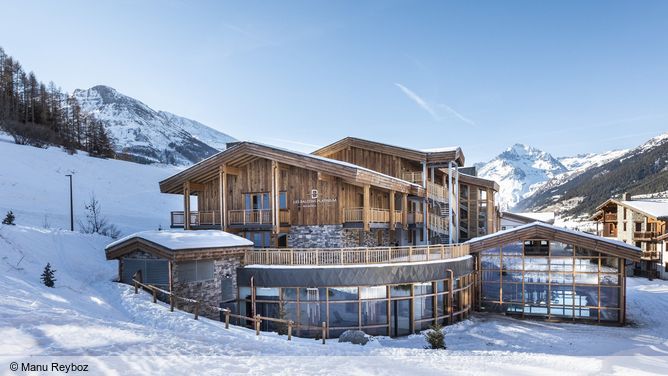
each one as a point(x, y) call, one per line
point(552, 280)
point(393, 310)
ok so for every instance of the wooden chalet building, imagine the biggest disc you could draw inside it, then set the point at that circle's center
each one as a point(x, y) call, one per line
point(351, 193)
point(641, 222)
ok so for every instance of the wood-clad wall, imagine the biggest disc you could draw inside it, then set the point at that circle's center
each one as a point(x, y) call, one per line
point(377, 161)
point(255, 177)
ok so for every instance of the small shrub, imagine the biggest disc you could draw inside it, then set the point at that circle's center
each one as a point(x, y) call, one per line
point(435, 337)
point(48, 276)
point(9, 218)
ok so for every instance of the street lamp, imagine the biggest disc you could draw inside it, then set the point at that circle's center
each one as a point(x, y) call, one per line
point(71, 205)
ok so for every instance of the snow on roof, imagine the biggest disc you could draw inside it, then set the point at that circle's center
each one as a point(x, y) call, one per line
point(543, 217)
point(562, 229)
point(440, 150)
point(655, 208)
point(181, 239)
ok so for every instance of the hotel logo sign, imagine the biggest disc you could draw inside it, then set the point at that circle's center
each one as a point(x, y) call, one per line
point(315, 200)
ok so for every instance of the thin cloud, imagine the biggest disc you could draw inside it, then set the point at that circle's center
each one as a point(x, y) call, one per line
point(430, 109)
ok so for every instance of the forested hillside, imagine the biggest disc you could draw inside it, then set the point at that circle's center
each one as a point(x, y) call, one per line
point(39, 114)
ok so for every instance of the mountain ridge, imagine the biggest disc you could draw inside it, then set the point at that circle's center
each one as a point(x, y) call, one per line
point(150, 135)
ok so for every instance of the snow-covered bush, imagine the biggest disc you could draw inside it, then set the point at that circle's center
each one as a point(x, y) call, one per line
point(435, 337)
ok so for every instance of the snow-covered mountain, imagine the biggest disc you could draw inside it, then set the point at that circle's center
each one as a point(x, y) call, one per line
point(147, 134)
point(520, 170)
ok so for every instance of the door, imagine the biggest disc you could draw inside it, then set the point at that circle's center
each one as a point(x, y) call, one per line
point(400, 319)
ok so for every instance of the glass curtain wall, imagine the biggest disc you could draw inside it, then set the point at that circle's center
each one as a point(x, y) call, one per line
point(393, 310)
point(551, 280)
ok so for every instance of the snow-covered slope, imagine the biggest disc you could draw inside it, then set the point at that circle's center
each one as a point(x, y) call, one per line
point(581, 162)
point(33, 184)
point(520, 170)
point(151, 135)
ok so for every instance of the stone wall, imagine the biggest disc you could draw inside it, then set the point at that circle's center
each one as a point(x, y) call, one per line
point(351, 238)
point(335, 236)
point(208, 292)
point(321, 236)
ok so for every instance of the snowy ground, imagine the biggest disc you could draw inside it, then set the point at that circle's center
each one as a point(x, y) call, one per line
point(89, 316)
point(34, 186)
point(89, 319)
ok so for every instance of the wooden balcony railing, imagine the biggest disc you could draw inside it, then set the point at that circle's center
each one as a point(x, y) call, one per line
point(415, 218)
point(437, 192)
point(376, 215)
point(413, 177)
point(438, 224)
point(197, 218)
point(354, 256)
point(610, 217)
point(398, 216)
point(250, 216)
point(650, 255)
point(647, 235)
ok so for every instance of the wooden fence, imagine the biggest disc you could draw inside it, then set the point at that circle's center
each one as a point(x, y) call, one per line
point(255, 320)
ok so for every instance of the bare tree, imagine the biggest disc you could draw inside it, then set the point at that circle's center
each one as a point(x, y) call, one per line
point(96, 222)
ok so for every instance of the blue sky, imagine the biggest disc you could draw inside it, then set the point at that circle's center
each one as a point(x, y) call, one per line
point(564, 76)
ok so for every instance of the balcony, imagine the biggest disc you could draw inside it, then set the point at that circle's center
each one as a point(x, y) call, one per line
point(413, 177)
point(650, 255)
point(211, 219)
point(354, 256)
point(197, 219)
point(610, 217)
point(376, 215)
point(415, 218)
point(644, 235)
point(438, 224)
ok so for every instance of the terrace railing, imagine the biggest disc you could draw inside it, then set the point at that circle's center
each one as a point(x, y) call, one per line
point(251, 216)
point(354, 256)
point(647, 235)
point(376, 215)
point(610, 217)
point(197, 218)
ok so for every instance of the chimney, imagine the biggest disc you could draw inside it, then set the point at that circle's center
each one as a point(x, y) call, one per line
point(626, 196)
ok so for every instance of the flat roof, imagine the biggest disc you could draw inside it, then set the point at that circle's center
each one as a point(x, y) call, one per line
point(540, 230)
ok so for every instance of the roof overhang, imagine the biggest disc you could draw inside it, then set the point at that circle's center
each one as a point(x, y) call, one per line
point(543, 231)
point(123, 248)
point(246, 152)
point(437, 158)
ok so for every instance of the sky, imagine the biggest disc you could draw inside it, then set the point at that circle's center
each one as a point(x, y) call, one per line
point(567, 77)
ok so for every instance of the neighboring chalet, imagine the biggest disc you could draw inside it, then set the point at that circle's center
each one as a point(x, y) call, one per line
point(641, 222)
point(511, 220)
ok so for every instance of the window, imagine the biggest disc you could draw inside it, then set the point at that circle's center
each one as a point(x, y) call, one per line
point(259, 238)
point(536, 247)
point(195, 271)
point(625, 218)
point(154, 272)
point(283, 200)
point(503, 227)
point(638, 226)
point(282, 240)
point(257, 201)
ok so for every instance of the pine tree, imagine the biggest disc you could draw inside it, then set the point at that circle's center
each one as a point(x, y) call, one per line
point(48, 276)
point(435, 337)
point(9, 218)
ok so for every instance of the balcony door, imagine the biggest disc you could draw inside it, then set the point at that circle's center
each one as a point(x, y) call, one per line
point(257, 201)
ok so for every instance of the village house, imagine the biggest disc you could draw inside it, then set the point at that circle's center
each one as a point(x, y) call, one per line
point(641, 222)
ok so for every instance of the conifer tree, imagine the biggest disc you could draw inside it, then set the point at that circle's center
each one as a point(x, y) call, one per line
point(48, 276)
point(9, 218)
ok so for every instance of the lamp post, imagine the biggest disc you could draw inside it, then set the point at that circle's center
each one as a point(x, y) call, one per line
point(71, 204)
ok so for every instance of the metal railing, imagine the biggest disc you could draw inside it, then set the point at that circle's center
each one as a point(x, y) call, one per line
point(354, 256)
point(197, 218)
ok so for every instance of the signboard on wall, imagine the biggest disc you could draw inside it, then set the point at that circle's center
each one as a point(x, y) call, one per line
point(315, 200)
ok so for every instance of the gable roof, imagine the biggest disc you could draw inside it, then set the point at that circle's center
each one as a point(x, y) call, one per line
point(438, 156)
point(245, 152)
point(657, 209)
point(170, 243)
point(539, 230)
